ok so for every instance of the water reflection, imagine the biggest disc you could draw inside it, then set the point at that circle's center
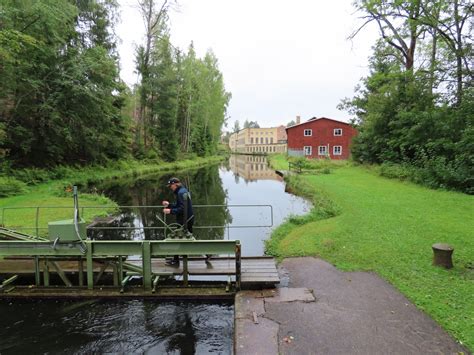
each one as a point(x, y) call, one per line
point(252, 167)
point(263, 187)
point(206, 189)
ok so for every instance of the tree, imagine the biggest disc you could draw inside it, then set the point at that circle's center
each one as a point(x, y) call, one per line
point(403, 109)
point(188, 92)
point(251, 124)
point(183, 99)
point(155, 18)
point(202, 102)
point(164, 91)
point(60, 90)
point(451, 23)
point(236, 126)
point(398, 25)
point(226, 137)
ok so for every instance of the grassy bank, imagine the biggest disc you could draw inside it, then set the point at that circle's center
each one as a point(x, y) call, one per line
point(365, 222)
point(58, 192)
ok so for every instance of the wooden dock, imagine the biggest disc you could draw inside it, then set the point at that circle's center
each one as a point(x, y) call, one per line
point(256, 273)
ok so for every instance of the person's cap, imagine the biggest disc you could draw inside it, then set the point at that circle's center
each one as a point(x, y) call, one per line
point(172, 181)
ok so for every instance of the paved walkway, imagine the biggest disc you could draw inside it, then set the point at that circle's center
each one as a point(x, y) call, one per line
point(325, 311)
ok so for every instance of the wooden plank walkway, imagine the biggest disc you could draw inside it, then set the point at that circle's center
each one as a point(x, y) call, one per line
point(108, 292)
point(257, 272)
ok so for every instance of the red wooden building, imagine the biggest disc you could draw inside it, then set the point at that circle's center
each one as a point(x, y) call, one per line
point(320, 137)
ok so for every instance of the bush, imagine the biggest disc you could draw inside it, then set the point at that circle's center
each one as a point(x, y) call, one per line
point(11, 186)
point(31, 176)
point(434, 172)
point(395, 171)
point(60, 172)
point(322, 166)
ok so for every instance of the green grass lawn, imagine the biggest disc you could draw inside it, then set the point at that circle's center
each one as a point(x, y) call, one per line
point(388, 227)
point(20, 211)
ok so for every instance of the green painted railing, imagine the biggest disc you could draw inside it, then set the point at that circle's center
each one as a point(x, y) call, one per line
point(115, 250)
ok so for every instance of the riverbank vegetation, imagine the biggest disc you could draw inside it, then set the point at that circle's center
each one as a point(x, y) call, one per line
point(54, 188)
point(62, 102)
point(414, 111)
point(362, 221)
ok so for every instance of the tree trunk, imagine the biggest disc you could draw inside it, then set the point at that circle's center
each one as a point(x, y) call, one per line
point(459, 51)
point(433, 59)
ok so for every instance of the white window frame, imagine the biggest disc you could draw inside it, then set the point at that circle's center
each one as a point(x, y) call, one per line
point(337, 130)
point(337, 147)
point(310, 131)
point(323, 150)
point(308, 150)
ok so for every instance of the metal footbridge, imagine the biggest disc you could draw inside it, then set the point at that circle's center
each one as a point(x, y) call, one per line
point(67, 264)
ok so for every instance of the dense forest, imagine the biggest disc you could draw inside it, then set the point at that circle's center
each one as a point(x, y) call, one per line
point(415, 111)
point(62, 101)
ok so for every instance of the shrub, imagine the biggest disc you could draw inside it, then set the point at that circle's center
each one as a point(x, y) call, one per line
point(395, 171)
point(31, 176)
point(11, 186)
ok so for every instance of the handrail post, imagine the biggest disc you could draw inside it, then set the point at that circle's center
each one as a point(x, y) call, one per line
point(37, 222)
point(185, 271)
point(120, 269)
point(271, 213)
point(146, 264)
point(164, 220)
point(45, 272)
point(90, 265)
point(80, 264)
point(37, 271)
point(238, 265)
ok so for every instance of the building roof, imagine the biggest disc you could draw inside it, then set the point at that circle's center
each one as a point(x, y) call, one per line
point(317, 119)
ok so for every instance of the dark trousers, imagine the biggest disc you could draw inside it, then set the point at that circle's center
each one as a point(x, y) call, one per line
point(189, 226)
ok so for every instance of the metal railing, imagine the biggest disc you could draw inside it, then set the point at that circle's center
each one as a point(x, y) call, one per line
point(43, 252)
point(37, 228)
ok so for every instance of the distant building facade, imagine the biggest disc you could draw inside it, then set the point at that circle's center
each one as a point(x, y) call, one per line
point(320, 138)
point(259, 140)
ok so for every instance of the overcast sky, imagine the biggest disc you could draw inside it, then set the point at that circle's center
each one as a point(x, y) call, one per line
point(280, 59)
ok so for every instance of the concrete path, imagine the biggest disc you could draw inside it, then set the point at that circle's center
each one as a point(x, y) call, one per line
point(325, 311)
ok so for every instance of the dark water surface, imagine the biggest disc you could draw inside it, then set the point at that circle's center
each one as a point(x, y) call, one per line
point(166, 327)
point(126, 327)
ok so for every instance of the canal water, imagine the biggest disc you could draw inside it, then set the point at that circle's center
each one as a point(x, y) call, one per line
point(240, 199)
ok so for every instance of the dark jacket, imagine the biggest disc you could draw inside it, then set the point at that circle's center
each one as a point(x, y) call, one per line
point(180, 207)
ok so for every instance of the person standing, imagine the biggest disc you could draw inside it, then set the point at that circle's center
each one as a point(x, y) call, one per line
point(182, 209)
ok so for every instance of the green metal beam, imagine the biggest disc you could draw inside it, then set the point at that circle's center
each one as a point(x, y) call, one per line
point(61, 273)
point(101, 248)
point(8, 281)
point(33, 248)
point(11, 234)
